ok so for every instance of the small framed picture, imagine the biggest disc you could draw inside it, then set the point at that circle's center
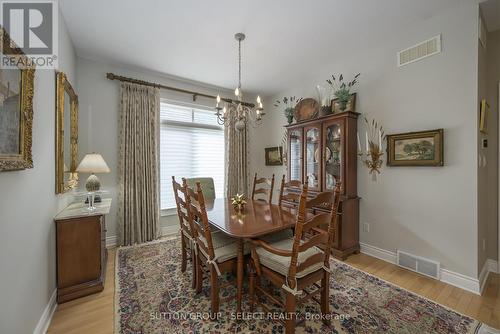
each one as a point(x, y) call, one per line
point(483, 116)
point(274, 156)
point(351, 105)
point(424, 148)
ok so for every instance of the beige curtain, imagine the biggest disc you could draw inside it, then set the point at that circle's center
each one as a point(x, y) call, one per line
point(138, 207)
point(237, 160)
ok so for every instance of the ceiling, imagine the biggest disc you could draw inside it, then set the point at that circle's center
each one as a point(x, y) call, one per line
point(193, 39)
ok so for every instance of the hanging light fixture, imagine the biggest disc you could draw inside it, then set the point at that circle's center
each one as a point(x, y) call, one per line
point(236, 112)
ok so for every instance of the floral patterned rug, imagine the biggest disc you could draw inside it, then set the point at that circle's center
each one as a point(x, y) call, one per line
point(153, 296)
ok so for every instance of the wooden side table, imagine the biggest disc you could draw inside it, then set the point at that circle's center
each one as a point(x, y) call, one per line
point(81, 250)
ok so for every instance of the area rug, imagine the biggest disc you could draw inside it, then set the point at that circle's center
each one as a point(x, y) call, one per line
point(154, 296)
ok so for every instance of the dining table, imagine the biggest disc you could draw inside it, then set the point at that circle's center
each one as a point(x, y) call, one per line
point(257, 219)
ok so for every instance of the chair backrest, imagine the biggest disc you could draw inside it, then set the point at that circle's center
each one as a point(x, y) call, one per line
point(182, 207)
point(207, 184)
point(290, 193)
point(266, 189)
point(319, 237)
point(198, 217)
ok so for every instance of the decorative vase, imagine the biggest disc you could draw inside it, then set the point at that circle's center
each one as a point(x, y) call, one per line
point(343, 105)
point(290, 119)
point(326, 110)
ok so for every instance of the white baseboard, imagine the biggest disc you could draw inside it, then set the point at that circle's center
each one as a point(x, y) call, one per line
point(44, 322)
point(379, 253)
point(493, 266)
point(111, 241)
point(461, 281)
point(489, 266)
point(471, 284)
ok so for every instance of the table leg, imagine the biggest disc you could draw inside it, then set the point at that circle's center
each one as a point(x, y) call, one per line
point(239, 275)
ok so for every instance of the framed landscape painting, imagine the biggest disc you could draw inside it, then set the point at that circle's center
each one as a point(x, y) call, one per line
point(274, 156)
point(16, 108)
point(423, 148)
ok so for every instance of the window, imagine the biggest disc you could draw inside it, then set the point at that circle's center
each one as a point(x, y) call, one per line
point(191, 145)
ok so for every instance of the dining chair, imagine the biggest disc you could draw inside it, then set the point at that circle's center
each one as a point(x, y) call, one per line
point(215, 252)
point(188, 237)
point(263, 186)
point(296, 265)
point(289, 193)
point(207, 184)
point(289, 198)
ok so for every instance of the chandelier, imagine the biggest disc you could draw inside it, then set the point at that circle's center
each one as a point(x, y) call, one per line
point(237, 112)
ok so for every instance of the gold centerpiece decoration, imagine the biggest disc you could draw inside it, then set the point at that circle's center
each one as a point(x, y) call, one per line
point(238, 202)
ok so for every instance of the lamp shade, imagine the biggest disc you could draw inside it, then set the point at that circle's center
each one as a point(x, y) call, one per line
point(93, 163)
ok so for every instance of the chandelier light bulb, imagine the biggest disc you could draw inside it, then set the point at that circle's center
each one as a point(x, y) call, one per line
point(218, 98)
point(237, 91)
point(258, 100)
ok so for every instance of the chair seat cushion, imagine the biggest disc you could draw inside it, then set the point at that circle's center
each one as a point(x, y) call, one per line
point(277, 236)
point(281, 264)
point(225, 247)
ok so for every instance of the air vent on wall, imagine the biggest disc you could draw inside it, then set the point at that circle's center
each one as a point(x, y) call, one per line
point(418, 264)
point(420, 51)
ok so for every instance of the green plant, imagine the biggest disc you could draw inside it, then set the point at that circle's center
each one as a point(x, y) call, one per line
point(289, 104)
point(289, 112)
point(341, 89)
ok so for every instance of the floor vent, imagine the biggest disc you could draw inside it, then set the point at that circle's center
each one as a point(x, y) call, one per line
point(420, 51)
point(418, 264)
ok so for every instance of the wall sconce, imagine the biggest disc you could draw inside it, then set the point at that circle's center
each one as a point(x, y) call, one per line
point(374, 152)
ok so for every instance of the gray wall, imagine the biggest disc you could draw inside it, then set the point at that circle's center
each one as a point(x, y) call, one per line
point(28, 204)
point(492, 81)
point(98, 121)
point(431, 212)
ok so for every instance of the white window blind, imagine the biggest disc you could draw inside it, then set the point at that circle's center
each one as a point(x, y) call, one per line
point(191, 145)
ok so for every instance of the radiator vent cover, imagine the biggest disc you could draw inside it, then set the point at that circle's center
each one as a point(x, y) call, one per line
point(418, 264)
point(420, 51)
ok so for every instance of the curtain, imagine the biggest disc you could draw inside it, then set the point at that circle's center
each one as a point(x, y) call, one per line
point(138, 205)
point(237, 159)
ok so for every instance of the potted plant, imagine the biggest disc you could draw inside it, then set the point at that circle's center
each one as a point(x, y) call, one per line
point(289, 104)
point(342, 90)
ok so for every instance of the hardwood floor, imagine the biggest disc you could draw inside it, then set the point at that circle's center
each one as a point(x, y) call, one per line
point(94, 313)
point(89, 314)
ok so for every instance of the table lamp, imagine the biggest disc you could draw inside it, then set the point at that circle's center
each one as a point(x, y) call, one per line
point(93, 163)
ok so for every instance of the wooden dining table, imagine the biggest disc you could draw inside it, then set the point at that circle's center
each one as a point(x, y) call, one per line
point(257, 219)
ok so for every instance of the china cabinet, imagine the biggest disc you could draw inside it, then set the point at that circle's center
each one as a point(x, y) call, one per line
point(323, 151)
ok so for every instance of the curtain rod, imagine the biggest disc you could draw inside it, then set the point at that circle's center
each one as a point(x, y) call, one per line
point(112, 76)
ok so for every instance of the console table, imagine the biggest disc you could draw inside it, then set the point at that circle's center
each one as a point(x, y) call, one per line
point(81, 250)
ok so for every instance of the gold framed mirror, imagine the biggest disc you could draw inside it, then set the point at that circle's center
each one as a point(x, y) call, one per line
point(66, 134)
point(16, 108)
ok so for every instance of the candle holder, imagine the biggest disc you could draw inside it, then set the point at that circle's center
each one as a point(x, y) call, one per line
point(374, 155)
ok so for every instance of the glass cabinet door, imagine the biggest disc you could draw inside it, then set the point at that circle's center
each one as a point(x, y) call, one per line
point(295, 155)
point(313, 157)
point(333, 155)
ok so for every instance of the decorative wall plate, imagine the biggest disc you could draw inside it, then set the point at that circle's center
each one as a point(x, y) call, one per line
point(306, 109)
